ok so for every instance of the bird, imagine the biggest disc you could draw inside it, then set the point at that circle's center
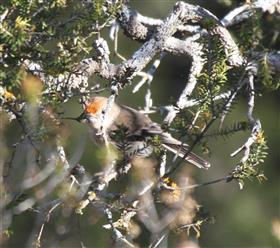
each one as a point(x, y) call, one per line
point(103, 119)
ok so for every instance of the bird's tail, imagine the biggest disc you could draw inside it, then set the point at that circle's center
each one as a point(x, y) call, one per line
point(178, 148)
point(182, 149)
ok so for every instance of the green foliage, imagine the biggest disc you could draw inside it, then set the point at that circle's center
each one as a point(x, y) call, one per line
point(227, 131)
point(250, 33)
point(182, 121)
point(213, 77)
point(212, 81)
point(7, 233)
point(156, 142)
point(248, 170)
point(258, 153)
point(266, 77)
point(257, 33)
point(55, 34)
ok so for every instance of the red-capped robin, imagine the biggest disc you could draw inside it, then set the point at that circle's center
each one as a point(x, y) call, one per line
point(139, 129)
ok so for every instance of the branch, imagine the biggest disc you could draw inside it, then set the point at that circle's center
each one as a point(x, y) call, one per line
point(159, 41)
point(250, 141)
point(245, 11)
point(272, 59)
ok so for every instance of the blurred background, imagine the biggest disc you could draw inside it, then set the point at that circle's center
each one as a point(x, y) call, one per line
point(243, 218)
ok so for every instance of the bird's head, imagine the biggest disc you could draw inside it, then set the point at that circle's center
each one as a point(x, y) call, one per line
point(93, 109)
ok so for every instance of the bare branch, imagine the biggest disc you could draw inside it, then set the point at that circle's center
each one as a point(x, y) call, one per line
point(245, 11)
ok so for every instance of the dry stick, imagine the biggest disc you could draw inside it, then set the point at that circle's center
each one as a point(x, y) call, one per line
point(47, 218)
point(147, 77)
point(158, 241)
point(151, 71)
point(40, 219)
point(162, 166)
point(255, 124)
point(193, 225)
point(114, 31)
point(226, 109)
point(3, 16)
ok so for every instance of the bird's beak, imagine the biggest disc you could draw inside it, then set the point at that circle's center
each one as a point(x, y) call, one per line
point(81, 118)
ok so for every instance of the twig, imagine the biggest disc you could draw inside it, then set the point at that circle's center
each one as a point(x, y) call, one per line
point(162, 166)
point(117, 234)
point(255, 124)
point(198, 185)
point(47, 218)
point(114, 36)
point(149, 75)
point(245, 11)
point(156, 243)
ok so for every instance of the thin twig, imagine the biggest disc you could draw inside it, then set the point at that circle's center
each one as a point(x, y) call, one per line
point(47, 218)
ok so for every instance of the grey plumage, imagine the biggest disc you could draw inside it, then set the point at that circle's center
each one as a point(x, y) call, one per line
point(145, 128)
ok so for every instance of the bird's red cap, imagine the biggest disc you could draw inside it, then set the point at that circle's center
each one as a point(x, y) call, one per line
point(95, 105)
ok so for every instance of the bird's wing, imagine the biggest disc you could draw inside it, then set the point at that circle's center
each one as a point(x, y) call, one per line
point(132, 119)
point(179, 148)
